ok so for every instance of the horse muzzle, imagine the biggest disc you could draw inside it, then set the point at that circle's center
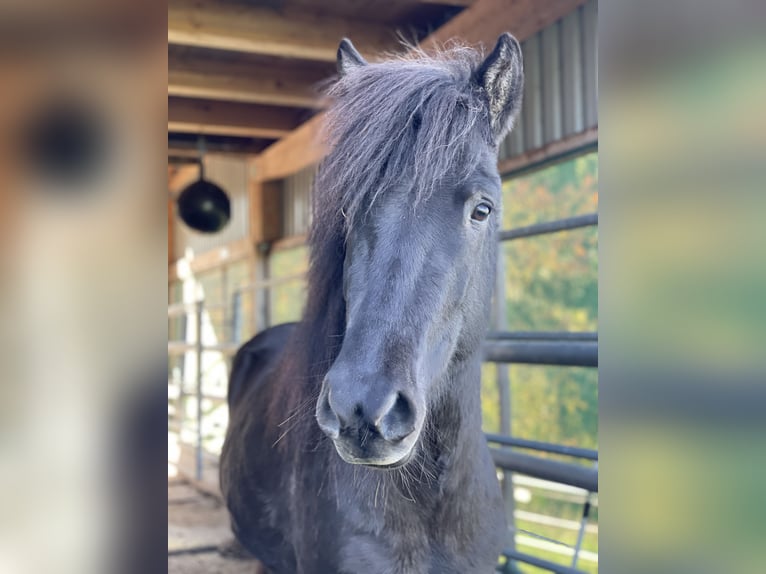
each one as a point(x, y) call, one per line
point(377, 428)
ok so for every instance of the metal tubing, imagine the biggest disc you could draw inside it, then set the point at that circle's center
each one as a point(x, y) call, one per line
point(539, 562)
point(550, 227)
point(565, 353)
point(543, 335)
point(193, 550)
point(271, 282)
point(581, 532)
point(503, 381)
point(180, 347)
point(578, 452)
point(553, 470)
point(181, 309)
point(198, 470)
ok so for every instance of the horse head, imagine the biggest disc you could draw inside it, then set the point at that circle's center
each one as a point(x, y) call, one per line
point(412, 170)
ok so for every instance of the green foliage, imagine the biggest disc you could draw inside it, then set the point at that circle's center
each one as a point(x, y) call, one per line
point(287, 299)
point(550, 284)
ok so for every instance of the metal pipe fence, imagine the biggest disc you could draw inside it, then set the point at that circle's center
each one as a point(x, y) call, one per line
point(515, 555)
point(565, 224)
point(562, 353)
point(541, 336)
point(546, 469)
point(546, 348)
point(561, 449)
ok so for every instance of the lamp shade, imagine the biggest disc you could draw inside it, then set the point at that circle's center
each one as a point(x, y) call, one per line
point(204, 206)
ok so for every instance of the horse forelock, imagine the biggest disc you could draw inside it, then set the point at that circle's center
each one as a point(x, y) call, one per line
point(400, 124)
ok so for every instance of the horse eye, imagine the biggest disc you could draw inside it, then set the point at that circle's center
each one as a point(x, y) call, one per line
point(481, 212)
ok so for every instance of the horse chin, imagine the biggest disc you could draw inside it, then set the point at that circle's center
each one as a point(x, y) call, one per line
point(390, 466)
point(376, 463)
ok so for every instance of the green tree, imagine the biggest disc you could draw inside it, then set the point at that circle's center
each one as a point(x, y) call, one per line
point(551, 284)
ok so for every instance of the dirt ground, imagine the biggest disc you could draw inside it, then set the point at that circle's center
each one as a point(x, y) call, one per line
point(197, 524)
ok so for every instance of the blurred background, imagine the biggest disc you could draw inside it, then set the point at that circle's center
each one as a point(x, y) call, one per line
point(92, 200)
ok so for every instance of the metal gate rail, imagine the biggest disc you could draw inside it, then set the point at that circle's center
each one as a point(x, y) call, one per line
point(545, 348)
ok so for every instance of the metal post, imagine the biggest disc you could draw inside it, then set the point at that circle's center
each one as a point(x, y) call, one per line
point(581, 533)
point(225, 300)
point(262, 304)
point(199, 308)
point(180, 414)
point(267, 289)
point(236, 317)
point(499, 323)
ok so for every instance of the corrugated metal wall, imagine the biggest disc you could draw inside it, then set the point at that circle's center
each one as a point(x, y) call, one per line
point(561, 78)
point(231, 174)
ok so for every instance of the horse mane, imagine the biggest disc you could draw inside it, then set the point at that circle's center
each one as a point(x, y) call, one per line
point(401, 124)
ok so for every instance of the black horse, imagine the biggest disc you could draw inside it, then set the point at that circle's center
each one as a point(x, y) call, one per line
point(355, 443)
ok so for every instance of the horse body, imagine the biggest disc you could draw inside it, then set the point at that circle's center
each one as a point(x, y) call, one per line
point(299, 508)
point(355, 445)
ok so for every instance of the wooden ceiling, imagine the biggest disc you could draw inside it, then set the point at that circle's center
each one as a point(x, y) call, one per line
point(246, 73)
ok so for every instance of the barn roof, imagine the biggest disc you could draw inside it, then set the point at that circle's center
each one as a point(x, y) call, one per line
point(246, 74)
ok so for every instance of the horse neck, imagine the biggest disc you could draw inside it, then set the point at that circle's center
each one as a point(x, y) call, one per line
point(454, 420)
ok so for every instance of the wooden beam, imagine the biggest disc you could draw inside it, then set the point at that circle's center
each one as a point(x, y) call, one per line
point(290, 242)
point(257, 84)
point(462, 3)
point(233, 146)
point(178, 155)
point(559, 149)
point(484, 21)
point(265, 211)
point(259, 30)
point(231, 119)
point(233, 251)
point(182, 176)
point(299, 150)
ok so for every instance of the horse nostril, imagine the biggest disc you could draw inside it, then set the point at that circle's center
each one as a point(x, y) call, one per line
point(399, 421)
point(326, 418)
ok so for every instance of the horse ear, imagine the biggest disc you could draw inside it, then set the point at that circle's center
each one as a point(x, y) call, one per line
point(501, 76)
point(348, 58)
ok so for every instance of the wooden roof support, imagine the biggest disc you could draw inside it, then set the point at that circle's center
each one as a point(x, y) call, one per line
point(253, 90)
point(259, 30)
point(462, 3)
point(181, 151)
point(551, 152)
point(256, 84)
point(230, 119)
point(297, 151)
point(482, 23)
point(180, 177)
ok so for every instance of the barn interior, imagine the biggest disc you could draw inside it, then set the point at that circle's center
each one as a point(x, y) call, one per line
point(245, 107)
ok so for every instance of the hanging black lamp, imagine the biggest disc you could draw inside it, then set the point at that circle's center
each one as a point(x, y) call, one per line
point(203, 205)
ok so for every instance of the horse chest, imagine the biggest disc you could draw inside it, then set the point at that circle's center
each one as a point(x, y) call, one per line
point(418, 554)
point(418, 535)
